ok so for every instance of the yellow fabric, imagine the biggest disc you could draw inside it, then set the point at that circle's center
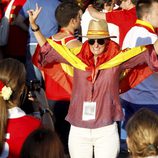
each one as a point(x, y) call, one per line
point(144, 23)
point(77, 63)
point(68, 55)
point(67, 68)
point(122, 57)
point(97, 32)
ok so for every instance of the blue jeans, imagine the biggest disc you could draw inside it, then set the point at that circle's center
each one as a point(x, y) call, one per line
point(129, 109)
point(33, 73)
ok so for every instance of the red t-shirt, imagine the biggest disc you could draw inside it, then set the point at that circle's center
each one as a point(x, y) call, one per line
point(17, 131)
point(124, 19)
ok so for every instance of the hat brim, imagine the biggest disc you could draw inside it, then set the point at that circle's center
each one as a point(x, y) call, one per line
point(97, 36)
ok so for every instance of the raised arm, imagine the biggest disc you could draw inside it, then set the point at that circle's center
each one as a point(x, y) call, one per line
point(96, 14)
point(33, 14)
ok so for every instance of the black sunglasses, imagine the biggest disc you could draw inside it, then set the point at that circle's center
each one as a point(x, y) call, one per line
point(99, 41)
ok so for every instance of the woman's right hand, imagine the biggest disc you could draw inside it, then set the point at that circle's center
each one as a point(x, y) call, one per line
point(33, 14)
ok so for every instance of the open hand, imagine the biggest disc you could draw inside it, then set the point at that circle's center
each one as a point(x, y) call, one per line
point(33, 14)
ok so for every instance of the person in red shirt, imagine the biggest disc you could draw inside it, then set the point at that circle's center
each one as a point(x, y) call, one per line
point(15, 125)
point(124, 18)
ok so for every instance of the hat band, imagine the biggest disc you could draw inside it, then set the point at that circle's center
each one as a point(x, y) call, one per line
point(93, 32)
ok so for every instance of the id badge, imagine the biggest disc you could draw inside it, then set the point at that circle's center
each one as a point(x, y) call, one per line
point(89, 111)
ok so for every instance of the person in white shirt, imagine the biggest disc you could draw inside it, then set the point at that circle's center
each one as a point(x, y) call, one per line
point(143, 33)
point(102, 6)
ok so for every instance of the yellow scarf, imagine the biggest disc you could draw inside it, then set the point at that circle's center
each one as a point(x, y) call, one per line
point(77, 63)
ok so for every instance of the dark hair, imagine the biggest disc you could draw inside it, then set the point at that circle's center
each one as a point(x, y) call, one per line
point(99, 5)
point(142, 132)
point(143, 6)
point(134, 2)
point(65, 12)
point(13, 75)
point(42, 143)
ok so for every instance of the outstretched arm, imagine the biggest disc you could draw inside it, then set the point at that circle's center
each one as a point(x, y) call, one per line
point(33, 14)
point(96, 14)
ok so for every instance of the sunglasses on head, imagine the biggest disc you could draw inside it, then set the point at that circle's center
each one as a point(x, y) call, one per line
point(99, 41)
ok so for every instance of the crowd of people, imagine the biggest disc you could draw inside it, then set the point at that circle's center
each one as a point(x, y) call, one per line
point(88, 69)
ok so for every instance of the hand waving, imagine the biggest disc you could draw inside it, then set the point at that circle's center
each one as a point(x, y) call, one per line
point(33, 14)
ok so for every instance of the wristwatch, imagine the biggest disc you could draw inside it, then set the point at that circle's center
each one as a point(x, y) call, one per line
point(46, 110)
point(35, 30)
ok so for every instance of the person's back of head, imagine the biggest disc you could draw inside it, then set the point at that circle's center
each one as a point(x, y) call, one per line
point(143, 7)
point(65, 12)
point(142, 134)
point(12, 83)
point(147, 10)
point(42, 143)
point(109, 5)
point(127, 4)
point(99, 4)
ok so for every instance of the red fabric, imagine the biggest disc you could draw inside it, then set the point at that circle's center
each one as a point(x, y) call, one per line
point(17, 39)
point(58, 83)
point(156, 30)
point(1, 11)
point(124, 19)
point(88, 58)
point(134, 76)
point(54, 90)
point(18, 130)
point(1, 85)
point(3, 5)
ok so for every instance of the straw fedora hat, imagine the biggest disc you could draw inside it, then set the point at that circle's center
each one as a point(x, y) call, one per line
point(98, 29)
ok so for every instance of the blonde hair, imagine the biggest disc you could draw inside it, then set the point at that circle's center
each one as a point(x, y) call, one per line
point(13, 75)
point(142, 132)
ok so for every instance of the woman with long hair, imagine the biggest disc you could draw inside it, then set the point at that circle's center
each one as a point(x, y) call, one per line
point(15, 125)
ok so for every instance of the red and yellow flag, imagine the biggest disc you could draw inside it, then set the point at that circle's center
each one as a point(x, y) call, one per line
point(129, 80)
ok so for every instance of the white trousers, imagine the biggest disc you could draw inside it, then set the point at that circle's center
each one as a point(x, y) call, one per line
point(104, 141)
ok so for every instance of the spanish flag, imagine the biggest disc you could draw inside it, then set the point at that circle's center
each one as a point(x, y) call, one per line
point(59, 76)
point(128, 80)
